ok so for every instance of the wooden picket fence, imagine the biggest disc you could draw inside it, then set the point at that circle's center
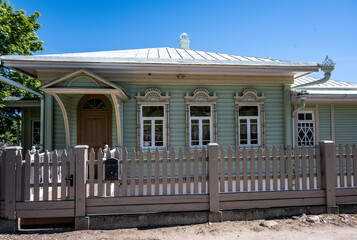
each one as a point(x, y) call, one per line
point(73, 183)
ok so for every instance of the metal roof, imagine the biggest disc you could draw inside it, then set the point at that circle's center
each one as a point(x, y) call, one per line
point(166, 55)
point(330, 84)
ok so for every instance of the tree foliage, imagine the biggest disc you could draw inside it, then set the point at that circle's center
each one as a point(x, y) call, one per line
point(17, 37)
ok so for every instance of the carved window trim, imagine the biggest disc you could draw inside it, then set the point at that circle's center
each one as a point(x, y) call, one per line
point(250, 97)
point(152, 97)
point(201, 97)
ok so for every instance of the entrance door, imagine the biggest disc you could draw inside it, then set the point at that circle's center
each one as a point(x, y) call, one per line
point(94, 121)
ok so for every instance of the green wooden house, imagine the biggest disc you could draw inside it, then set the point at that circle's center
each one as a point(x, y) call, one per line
point(178, 97)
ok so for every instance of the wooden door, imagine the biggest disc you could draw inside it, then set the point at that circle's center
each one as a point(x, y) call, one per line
point(94, 121)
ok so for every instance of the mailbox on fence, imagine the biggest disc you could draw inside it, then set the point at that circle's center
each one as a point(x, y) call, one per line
point(111, 169)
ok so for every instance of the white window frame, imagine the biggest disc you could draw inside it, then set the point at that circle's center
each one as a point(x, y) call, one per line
point(200, 125)
point(32, 132)
point(248, 118)
point(313, 121)
point(152, 119)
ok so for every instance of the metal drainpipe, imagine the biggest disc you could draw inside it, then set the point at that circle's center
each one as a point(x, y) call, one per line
point(42, 98)
point(327, 67)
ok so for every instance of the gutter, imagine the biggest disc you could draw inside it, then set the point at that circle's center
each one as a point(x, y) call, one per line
point(42, 98)
point(327, 67)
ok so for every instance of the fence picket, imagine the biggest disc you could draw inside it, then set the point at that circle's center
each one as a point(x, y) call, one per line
point(141, 172)
point(341, 166)
point(172, 169)
point(237, 169)
point(275, 168)
point(180, 171)
point(303, 167)
point(100, 172)
point(36, 177)
point(289, 168)
point(157, 171)
point(164, 172)
point(311, 167)
point(54, 175)
point(27, 180)
point(282, 168)
point(348, 165)
point(229, 168)
point(132, 171)
point(125, 172)
point(63, 175)
point(245, 170)
point(221, 170)
point(297, 167)
point(148, 172)
point(354, 151)
point(91, 172)
point(267, 168)
point(252, 169)
point(203, 169)
point(117, 181)
point(45, 178)
point(260, 168)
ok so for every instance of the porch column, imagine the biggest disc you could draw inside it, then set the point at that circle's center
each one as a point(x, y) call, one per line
point(48, 122)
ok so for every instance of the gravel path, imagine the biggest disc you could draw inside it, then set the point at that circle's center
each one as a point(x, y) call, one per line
point(342, 226)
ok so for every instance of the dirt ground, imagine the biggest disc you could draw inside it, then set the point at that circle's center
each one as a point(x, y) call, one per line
point(342, 226)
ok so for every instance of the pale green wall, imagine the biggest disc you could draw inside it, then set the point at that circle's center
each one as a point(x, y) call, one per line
point(225, 113)
point(325, 122)
point(345, 124)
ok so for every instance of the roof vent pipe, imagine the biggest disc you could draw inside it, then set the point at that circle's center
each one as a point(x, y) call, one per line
point(184, 41)
point(327, 66)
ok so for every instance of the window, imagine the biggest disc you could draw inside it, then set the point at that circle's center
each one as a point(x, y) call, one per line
point(249, 118)
point(153, 126)
point(152, 119)
point(249, 126)
point(200, 118)
point(35, 133)
point(305, 129)
point(200, 125)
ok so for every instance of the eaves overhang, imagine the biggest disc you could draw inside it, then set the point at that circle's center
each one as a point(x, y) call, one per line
point(31, 67)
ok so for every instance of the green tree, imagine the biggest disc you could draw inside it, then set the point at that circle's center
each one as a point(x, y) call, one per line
point(17, 37)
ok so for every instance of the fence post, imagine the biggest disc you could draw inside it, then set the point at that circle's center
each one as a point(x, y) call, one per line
point(328, 169)
point(215, 215)
point(10, 186)
point(81, 153)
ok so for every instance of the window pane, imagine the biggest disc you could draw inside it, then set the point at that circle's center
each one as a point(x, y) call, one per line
point(301, 116)
point(147, 121)
point(36, 133)
point(206, 133)
point(153, 111)
point(200, 111)
point(248, 111)
point(243, 134)
point(147, 136)
point(308, 116)
point(253, 133)
point(94, 103)
point(159, 135)
point(243, 121)
point(194, 134)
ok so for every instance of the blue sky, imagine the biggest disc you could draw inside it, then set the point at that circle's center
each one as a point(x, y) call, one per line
point(304, 30)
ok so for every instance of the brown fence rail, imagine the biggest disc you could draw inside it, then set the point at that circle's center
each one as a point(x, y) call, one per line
point(81, 182)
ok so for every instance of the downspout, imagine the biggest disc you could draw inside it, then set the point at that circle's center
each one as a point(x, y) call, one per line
point(17, 128)
point(42, 98)
point(327, 67)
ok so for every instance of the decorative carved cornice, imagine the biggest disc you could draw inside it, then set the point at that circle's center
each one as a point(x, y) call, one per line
point(152, 95)
point(201, 95)
point(249, 96)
